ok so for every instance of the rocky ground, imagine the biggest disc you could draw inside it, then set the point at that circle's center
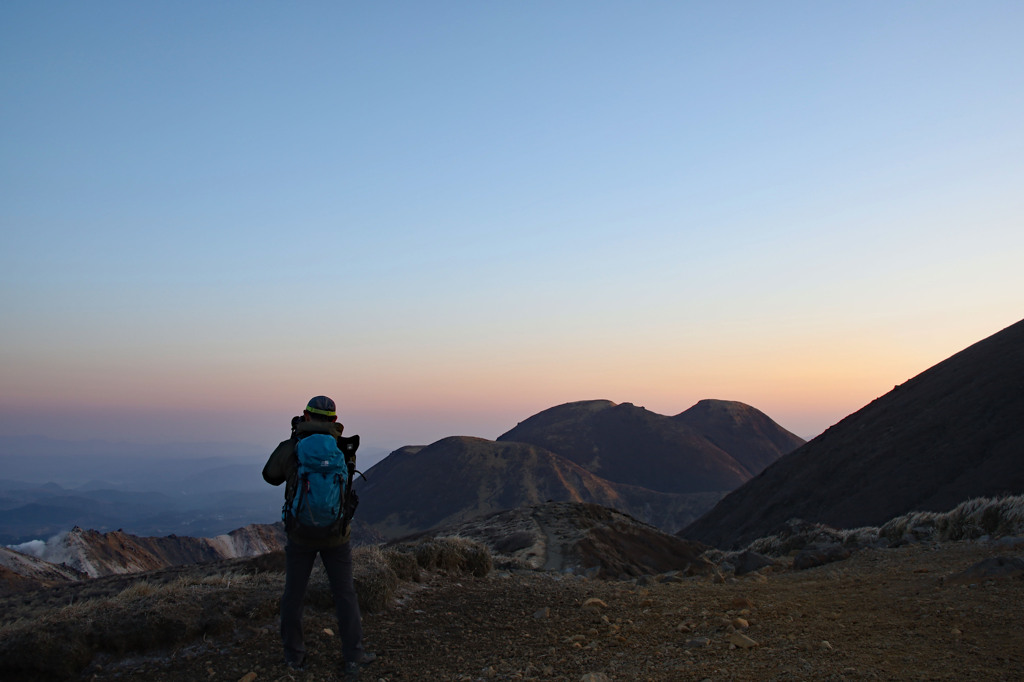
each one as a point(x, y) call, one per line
point(882, 614)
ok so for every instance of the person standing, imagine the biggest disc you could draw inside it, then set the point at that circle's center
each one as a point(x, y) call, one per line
point(331, 542)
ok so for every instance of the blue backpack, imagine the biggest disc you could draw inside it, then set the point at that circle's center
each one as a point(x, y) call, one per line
point(319, 508)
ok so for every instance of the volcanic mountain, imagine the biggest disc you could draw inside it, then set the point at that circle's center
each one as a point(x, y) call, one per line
point(662, 470)
point(715, 445)
point(954, 432)
point(459, 478)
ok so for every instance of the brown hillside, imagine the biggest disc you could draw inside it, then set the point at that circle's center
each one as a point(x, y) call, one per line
point(746, 433)
point(954, 432)
point(458, 478)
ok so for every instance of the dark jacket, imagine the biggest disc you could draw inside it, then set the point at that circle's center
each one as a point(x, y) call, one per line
point(282, 467)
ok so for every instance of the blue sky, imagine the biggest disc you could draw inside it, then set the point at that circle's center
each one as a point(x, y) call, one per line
point(452, 215)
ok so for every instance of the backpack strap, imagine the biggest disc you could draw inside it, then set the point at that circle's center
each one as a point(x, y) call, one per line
point(348, 446)
point(292, 483)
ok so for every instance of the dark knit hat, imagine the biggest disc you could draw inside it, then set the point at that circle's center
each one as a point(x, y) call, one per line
point(322, 405)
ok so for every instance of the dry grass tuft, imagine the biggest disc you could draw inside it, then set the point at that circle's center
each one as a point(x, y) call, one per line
point(375, 580)
point(970, 520)
point(454, 553)
point(404, 564)
point(477, 558)
point(994, 517)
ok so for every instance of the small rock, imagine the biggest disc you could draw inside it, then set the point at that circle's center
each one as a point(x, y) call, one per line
point(748, 562)
point(248, 677)
point(742, 603)
point(542, 613)
point(993, 568)
point(740, 623)
point(595, 677)
point(698, 642)
point(819, 555)
point(741, 640)
point(826, 645)
point(329, 632)
point(594, 604)
point(1010, 542)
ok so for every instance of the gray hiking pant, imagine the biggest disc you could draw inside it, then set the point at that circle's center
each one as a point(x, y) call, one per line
point(338, 564)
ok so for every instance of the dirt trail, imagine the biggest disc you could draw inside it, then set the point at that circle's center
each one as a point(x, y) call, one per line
point(554, 547)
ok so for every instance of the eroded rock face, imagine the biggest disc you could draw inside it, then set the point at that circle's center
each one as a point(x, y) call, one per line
point(21, 573)
point(88, 553)
point(108, 553)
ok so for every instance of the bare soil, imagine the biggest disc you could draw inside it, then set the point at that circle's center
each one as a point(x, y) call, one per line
point(881, 614)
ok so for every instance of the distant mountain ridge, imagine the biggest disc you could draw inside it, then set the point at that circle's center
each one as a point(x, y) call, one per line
point(632, 445)
point(87, 553)
point(952, 433)
point(662, 470)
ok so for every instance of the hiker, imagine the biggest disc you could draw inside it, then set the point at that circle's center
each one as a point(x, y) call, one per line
point(316, 441)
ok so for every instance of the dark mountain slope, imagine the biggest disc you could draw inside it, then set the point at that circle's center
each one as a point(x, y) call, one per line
point(458, 478)
point(953, 432)
point(746, 433)
point(629, 444)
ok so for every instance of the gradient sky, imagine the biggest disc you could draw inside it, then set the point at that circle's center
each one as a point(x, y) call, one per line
point(452, 215)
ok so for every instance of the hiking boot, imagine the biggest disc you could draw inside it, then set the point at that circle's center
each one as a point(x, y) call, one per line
point(351, 668)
